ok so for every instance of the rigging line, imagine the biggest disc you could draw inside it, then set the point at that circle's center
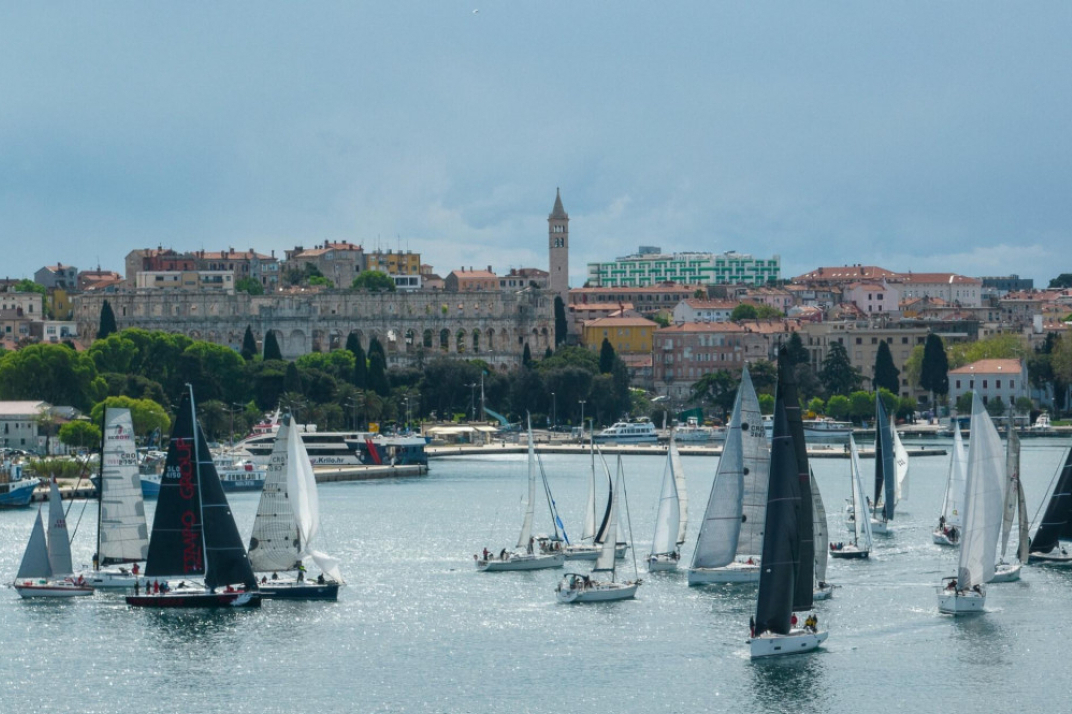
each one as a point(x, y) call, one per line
point(629, 521)
point(556, 520)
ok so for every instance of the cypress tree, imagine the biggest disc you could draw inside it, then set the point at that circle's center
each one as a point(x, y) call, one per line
point(107, 321)
point(377, 374)
point(352, 343)
point(837, 373)
point(606, 357)
point(934, 372)
point(292, 380)
point(249, 345)
point(271, 347)
point(887, 376)
point(526, 356)
point(548, 353)
point(561, 327)
point(374, 348)
point(360, 366)
point(795, 350)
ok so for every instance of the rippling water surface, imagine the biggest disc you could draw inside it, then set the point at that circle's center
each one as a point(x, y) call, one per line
point(418, 630)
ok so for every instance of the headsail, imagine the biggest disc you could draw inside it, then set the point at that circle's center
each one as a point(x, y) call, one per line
point(900, 465)
point(982, 519)
point(953, 503)
point(305, 503)
point(122, 535)
point(755, 464)
point(59, 543)
point(679, 487)
point(668, 516)
point(822, 537)
point(1056, 522)
point(885, 475)
point(1012, 479)
point(34, 563)
point(860, 513)
point(717, 541)
point(275, 542)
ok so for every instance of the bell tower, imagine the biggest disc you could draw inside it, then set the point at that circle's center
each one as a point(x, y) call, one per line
point(558, 249)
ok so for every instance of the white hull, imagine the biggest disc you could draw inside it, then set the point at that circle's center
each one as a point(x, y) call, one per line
point(824, 592)
point(796, 642)
point(1006, 573)
point(662, 563)
point(521, 562)
point(112, 579)
point(591, 552)
point(62, 589)
point(941, 538)
point(735, 572)
point(1060, 558)
point(960, 603)
point(597, 592)
point(880, 527)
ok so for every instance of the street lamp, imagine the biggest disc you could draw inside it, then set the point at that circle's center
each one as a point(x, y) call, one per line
point(472, 401)
point(554, 404)
point(582, 418)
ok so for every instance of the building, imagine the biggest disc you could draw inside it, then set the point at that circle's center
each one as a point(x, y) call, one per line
point(28, 304)
point(339, 262)
point(394, 262)
point(465, 281)
point(651, 267)
point(98, 279)
point(842, 275)
point(1004, 379)
point(873, 298)
point(19, 425)
point(54, 331)
point(646, 300)
point(242, 264)
point(698, 310)
point(683, 353)
point(558, 249)
point(189, 280)
point(627, 335)
point(950, 287)
point(1007, 284)
point(55, 276)
point(521, 278)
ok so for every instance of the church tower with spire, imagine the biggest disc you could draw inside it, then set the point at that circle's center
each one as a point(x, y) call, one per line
point(558, 249)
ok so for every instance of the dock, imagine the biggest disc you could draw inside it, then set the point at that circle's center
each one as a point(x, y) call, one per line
point(815, 451)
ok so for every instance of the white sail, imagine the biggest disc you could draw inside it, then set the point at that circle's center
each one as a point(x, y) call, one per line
point(34, 563)
point(305, 502)
point(717, 541)
point(669, 514)
point(607, 556)
point(679, 485)
point(755, 458)
point(860, 513)
point(953, 504)
point(590, 518)
point(59, 544)
point(274, 543)
point(900, 465)
point(983, 501)
point(530, 504)
point(1012, 478)
point(822, 536)
point(123, 535)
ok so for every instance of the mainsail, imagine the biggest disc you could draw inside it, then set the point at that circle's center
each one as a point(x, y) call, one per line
point(983, 508)
point(34, 563)
point(682, 493)
point(1056, 523)
point(122, 536)
point(59, 543)
point(822, 537)
point(787, 390)
point(605, 561)
point(717, 541)
point(530, 503)
point(1012, 487)
point(860, 513)
point(668, 516)
point(953, 503)
point(885, 475)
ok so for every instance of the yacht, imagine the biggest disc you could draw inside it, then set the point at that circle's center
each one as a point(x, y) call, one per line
point(628, 432)
point(827, 429)
point(694, 432)
point(15, 490)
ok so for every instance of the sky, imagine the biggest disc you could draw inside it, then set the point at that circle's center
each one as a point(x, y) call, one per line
point(911, 135)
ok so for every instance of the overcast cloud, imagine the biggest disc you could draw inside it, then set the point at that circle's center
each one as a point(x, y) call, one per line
point(922, 136)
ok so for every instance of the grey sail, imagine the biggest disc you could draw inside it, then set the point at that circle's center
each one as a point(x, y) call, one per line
point(1012, 479)
point(1024, 548)
point(885, 468)
point(123, 536)
point(822, 536)
point(274, 544)
point(605, 562)
point(717, 541)
point(755, 460)
point(34, 563)
point(59, 543)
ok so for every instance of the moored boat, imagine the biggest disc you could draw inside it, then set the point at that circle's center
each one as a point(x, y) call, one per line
point(641, 431)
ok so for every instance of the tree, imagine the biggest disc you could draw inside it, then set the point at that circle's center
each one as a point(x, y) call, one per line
point(964, 403)
point(838, 407)
point(548, 353)
point(360, 376)
point(320, 281)
point(607, 355)
point(1064, 280)
point(251, 286)
point(291, 379)
point(107, 321)
point(377, 373)
point(718, 388)
point(214, 371)
point(934, 370)
point(861, 405)
point(1023, 405)
point(744, 311)
point(374, 281)
point(796, 351)
point(375, 348)
point(249, 344)
point(80, 435)
point(764, 375)
point(766, 403)
point(561, 326)
point(766, 312)
point(28, 286)
point(526, 356)
point(146, 415)
point(816, 406)
point(114, 353)
point(352, 343)
point(1003, 346)
point(995, 407)
point(886, 374)
point(271, 347)
point(51, 373)
point(837, 373)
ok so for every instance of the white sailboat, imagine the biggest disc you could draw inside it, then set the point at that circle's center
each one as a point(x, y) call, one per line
point(951, 519)
point(122, 535)
point(1015, 508)
point(527, 555)
point(669, 520)
point(287, 521)
point(578, 588)
point(823, 589)
point(46, 569)
point(983, 504)
point(730, 540)
point(860, 523)
point(594, 532)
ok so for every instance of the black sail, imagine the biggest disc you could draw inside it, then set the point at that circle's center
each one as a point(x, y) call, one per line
point(1056, 521)
point(601, 534)
point(176, 546)
point(885, 478)
point(804, 591)
point(781, 546)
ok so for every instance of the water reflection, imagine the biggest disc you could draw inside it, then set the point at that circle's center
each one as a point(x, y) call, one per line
point(796, 683)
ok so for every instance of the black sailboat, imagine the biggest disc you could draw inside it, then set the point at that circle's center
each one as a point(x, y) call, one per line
point(194, 533)
point(785, 579)
point(1056, 525)
point(885, 475)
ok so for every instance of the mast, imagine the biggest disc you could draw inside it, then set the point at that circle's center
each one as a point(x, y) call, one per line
point(100, 488)
point(530, 505)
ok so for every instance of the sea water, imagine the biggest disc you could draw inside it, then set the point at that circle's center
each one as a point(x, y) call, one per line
point(418, 629)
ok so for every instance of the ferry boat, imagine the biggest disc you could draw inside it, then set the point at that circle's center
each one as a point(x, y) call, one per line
point(237, 473)
point(628, 432)
point(344, 448)
point(827, 429)
point(692, 431)
point(15, 490)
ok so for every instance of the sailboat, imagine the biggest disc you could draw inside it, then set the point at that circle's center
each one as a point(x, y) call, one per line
point(786, 578)
point(885, 470)
point(575, 587)
point(983, 503)
point(122, 536)
point(730, 540)
point(1015, 508)
point(900, 466)
point(949, 522)
point(1056, 526)
point(528, 555)
point(288, 519)
point(860, 523)
point(46, 569)
point(670, 518)
point(595, 529)
point(194, 533)
point(823, 589)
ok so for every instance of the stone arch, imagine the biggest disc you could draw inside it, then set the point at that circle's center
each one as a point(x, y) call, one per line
point(459, 342)
point(410, 339)
point(194, 334)
point(427, 339)
point(335, 340)
point(295, 343)
point(545, 337)
point(391, 339)
point(444, 340)
point(489, 339)
point(318, 341)
point(476, 340)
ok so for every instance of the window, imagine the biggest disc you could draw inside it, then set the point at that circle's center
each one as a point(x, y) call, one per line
point(1012, 384)
point(984, 384)
point(958, 384)
point(997, 384)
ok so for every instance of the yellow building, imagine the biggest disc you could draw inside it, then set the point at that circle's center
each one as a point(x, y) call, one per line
point(627, 335)
point(394, 263)
point(59, 304)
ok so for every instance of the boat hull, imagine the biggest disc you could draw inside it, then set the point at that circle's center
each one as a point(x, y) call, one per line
point(796, 642)
point(591, 552)
point(849, 552)
point(942, 538)
point(960, 603)
point(299, 591)
point(242, 484)
point(598, 592)
point(1059, 559)
point(733, 573)
point(205, 600)
point(18, 494)
point(880, 527)
point(662, 563)
point(522, 562)
point(823, 592)
point(30, 590)
point(113, 579)
point(150, 486)
point(1006, 573)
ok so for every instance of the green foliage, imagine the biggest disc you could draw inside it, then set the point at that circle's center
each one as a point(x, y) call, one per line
point(816, 406)
point(374, 281)
point(934, 366)
point(764, 374)
point(337, 363)
point(249, 345)
point(107, 321)
point(661, 319)
point(766, 312)
point(60, 468)
point(838, 407)
point(744, 311)
point(886, 374)
point(837, 375)
point(271, 347)
point(995, 407)
point(796, 350)
point(28, 286)
point(1002, 346)
point(906, 408)
point(571, 357)
point(717, 388)
point(134, 386)
point(964, 403)
point(861, 405)
point(359, 378)
point(114, 353)
point(766, 403)
point(889, 400)
point(214, 371)
point(607, 355)
point(377, 372)
point(526, 356)
point(251, 286)
point(292, 379)
point(319, 281)
point(1064, 280)
point(146, 415)
point(1023, 405)
point(52, 373)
